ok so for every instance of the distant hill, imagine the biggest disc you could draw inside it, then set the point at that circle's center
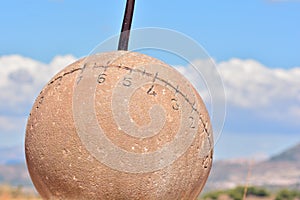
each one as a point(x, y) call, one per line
point(282, 170)
point(290, 155)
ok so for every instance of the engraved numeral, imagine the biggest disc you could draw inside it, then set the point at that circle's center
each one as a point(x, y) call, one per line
point(192, 122)
point(101, 78)
point(151, 91)
point(175, 104)
point(127, 82)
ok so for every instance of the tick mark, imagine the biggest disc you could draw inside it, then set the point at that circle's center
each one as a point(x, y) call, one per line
point(155, 77)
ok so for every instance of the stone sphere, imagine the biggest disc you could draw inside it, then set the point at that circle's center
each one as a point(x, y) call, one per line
point(119, 125)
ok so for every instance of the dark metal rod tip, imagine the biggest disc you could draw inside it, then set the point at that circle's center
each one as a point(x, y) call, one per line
point(126, 26)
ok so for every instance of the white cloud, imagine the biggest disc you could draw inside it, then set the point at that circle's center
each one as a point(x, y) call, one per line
point(22, 78)
point(273, 92)
point(249, 85)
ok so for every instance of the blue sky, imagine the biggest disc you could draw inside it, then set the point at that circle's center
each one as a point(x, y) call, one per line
point(264, 30)
point(264, 34)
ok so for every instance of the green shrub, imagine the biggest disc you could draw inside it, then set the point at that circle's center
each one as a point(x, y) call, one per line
point(213, 195)
point(237, 193)
point(286, 194)
point(257, 191)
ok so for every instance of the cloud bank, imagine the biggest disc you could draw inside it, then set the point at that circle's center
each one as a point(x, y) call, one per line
point(22, 78)
point(271, 93)
point(274, 93)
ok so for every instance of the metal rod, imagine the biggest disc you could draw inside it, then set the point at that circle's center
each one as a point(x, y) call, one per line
point(126, 26)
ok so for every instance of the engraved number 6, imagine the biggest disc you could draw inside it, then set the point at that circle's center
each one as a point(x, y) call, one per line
point(101, 78)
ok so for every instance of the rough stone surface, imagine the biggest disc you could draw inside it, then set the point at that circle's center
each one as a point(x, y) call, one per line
point(62, 167)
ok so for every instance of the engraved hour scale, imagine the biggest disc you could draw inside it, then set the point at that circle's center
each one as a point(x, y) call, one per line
point(122, 125)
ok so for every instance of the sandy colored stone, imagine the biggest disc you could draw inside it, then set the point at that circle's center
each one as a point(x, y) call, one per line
point(62, 167)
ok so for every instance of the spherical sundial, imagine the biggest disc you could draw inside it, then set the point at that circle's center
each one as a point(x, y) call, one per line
point(119, 125)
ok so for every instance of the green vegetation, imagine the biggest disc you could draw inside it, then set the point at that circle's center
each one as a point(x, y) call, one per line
point(237, 193)
point(258, 192)
point(286, 194)
point(213, 195)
